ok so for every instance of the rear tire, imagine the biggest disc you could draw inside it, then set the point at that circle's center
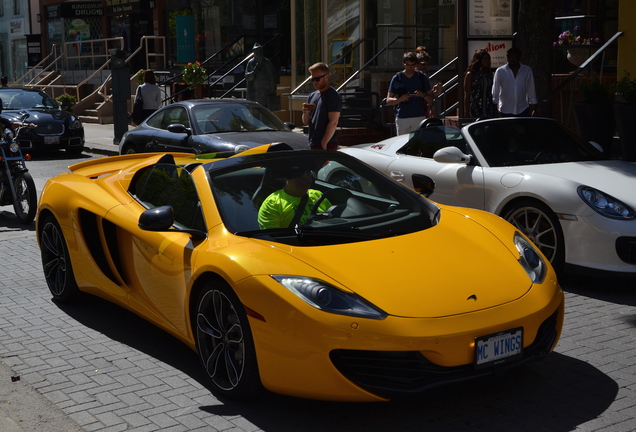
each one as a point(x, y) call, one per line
point(56, 261)
point(225, 343)
point(26, 199)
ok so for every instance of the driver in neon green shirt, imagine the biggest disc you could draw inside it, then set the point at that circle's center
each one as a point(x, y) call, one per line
point(278, 209)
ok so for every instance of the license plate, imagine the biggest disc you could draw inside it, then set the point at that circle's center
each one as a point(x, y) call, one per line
point(498, 347)
point(51, 140)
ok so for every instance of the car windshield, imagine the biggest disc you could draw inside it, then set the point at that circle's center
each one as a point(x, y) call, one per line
point(513, 142)
point(16, 99)
point(346, 200)
point(215, 118)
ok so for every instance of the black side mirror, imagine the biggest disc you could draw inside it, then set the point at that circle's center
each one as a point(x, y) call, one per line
point(179, 128)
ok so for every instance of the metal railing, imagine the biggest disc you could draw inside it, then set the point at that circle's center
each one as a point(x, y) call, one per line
point(344, 54)
point(87, 56)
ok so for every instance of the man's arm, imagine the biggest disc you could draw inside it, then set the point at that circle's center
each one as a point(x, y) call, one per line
point(330, 130)
point(532, 94)
point(496, 88)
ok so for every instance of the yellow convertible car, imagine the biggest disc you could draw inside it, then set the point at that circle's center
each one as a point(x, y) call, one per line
point(306, 273)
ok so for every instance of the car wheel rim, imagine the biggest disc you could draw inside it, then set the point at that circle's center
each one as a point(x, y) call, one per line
point(538, 227)
point(54, 258)
point(221, 342)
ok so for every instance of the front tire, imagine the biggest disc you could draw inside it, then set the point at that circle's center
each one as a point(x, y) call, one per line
point(56, 261)
point(26, 200)
point(541, 226)
point(225, 343)
point(128, 148)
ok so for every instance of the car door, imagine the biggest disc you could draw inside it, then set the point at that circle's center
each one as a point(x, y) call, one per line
point(457, 184)
point(176, 139)
point(157, 265)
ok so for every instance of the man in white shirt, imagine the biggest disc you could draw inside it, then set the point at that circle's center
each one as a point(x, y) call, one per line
point(513, 88)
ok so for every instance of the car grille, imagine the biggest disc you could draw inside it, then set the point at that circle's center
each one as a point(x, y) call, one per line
point(626, 249)
point(50, 129)
point(392, 374)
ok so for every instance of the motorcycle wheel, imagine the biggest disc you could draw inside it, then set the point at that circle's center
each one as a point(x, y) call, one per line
point(25, 202)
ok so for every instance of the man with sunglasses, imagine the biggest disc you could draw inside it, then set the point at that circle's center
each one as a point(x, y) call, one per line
point(322, 110)
point(407, 91)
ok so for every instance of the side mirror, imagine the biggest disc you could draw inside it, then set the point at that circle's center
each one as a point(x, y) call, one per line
point(157, 219)
point(451, 155)
point(161, 219)
point(290, 125)
point(423, 184)
point(179, 128)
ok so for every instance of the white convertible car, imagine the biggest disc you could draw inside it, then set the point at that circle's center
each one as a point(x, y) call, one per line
point(534, 172)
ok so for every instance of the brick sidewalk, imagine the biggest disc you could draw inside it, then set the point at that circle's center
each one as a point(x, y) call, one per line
point(107, 370)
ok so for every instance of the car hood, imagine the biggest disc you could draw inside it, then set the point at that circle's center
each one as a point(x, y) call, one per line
point(612, 177)
point(37, 115)
point(254, 139)
point(457, 267)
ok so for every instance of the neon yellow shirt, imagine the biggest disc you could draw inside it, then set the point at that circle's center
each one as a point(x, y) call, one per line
point(278, 209)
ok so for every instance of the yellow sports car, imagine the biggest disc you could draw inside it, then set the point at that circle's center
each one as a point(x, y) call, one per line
point(306, 273)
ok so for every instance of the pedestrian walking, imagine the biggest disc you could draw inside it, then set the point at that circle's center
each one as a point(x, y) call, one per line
point(513, 88)
point(407, 91)
point(478, 81)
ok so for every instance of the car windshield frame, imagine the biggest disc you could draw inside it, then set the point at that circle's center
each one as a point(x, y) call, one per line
point(215, 118)
point(528, 141)
point(425, 142)
point(362, 202)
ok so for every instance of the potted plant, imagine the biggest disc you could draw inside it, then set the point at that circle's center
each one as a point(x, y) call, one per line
point(625, 113)
point(593, 113)
point(66, 101)
point(194, 75)
point(579, 47)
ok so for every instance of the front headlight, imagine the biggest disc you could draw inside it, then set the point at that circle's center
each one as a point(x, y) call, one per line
point(328, 298)
point(14, 147)
point(605, 204)
point(74, 123)
point(530, 259)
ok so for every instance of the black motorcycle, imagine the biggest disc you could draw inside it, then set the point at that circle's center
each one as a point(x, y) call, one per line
point(16, 184)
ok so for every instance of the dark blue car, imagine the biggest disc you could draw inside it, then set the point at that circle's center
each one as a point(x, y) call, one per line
point(55, 128)
point(210, 126)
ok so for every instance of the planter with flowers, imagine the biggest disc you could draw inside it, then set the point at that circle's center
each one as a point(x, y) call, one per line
point(579, 48)
point(625, 113)
point(194, 75)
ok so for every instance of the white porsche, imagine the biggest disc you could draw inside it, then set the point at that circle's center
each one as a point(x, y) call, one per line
point(534, 172)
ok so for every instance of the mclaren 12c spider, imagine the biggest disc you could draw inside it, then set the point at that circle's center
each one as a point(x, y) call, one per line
point(367, 291)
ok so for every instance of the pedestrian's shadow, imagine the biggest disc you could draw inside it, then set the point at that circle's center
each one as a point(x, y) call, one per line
point(557, 394)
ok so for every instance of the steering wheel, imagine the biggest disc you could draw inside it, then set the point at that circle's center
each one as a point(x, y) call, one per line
point(545, 154)
point(341, 194)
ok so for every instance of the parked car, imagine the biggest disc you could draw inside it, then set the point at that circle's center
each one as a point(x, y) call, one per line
point(383, 294)
point(208, 126)
point(55, 129)
point(534, 172)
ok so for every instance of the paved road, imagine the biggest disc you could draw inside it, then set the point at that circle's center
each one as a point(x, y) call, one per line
point(92, 366)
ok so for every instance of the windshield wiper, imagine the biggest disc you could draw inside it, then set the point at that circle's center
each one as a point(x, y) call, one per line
point(265, 232)
point(348, 232)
